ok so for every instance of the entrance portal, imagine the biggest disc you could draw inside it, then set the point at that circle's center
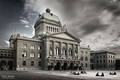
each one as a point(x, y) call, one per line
point(10, 64)
point(71, 66)
point(58, 66)
point(65, 66)
point(3, 65)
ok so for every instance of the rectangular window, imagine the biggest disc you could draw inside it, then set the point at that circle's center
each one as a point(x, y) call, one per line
point(104, 61)
point(103, 56)
point(97, 61)
point(24, 63)
point(104, 66)
point(32, 47)
point(39, 47)
point(39, 55)
point(81, 64)
point(86, 64)
point(32, 63)
point(86, 52)
point(24, 46)
point(39, 64)
point(113, 56)
point(97, 57)
point(47, 28)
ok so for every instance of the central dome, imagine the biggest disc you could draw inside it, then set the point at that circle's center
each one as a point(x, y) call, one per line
point(49, 16)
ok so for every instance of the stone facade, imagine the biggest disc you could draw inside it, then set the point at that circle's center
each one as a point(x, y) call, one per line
point(52, 48)
point(117, 64)
point(7, 59)
point(85, 57)
point(102, 60)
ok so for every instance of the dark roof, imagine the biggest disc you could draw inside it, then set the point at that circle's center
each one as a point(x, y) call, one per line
point(101, 51)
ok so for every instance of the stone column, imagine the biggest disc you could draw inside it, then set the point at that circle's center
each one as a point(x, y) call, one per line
point(53, 48)
point(73, 51)
point(66, 50)
point(46, 54)
point(78, 51)
point(60, 49)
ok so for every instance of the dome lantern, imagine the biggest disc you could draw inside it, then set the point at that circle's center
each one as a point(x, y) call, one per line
point(48, 10)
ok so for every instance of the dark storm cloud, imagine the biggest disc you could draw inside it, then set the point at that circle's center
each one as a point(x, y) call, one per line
point(10, 11)
point(114, 8)
point(115, 49)
point(117, 38)
point(93, 25)
point(3, 43)
point(72, 11)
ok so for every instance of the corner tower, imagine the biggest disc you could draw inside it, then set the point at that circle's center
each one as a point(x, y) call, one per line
point(47, 23)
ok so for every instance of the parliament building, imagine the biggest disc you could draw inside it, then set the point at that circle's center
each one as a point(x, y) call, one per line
point(52, 47)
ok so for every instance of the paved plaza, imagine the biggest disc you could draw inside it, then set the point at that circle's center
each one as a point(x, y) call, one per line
point(55, 75)
point(89, 76)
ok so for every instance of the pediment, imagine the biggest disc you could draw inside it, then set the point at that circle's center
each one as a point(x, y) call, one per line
point(64, 35)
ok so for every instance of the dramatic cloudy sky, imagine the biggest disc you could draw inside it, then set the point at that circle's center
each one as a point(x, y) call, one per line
point(95, 22)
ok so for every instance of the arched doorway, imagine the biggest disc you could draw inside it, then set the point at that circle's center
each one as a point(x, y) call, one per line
point(71, 66)
point(3, 65)
point(52, 66)
point(10, 65)
point(65, 66)
point(80, 68)
point(58, 66)
point(49, 67)
point(76, 67)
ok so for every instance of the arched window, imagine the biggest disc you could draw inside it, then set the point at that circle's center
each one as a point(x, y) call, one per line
point(50, 51)
point(86, 58)
point(81, 58)
point(81, 64)
point(57, 51)
point(86, 52)
point(32, 54)
point(39, 55)
point(24, 54)
point(70, 52)
point(76, 55)
point(64, 51)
